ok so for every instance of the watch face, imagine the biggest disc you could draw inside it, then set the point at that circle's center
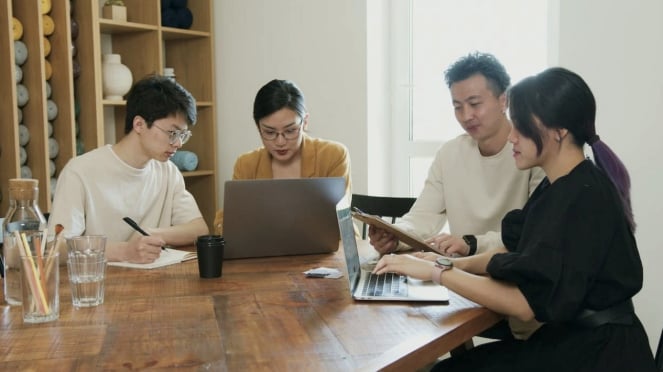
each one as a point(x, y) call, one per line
point(443, 261)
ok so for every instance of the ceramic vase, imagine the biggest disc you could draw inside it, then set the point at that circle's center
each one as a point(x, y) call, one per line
point(116, 77)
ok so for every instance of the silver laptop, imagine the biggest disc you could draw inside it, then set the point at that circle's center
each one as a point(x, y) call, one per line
point(386, 287)
point(279, 217)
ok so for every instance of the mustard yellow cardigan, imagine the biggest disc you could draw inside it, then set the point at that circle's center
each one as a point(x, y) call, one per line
point(320, 158)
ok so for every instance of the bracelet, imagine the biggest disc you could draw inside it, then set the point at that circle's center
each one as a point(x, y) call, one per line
point(471, 242)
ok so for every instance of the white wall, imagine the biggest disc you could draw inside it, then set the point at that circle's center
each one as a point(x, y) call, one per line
point(321, 45)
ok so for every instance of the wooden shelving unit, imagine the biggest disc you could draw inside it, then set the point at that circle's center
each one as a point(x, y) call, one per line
point(145, 47)
point(34, 113)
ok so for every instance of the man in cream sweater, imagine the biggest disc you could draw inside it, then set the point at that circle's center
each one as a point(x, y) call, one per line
point(473, 181)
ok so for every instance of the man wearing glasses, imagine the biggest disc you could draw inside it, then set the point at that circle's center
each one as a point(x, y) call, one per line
point(133, 178)
point(281, 117)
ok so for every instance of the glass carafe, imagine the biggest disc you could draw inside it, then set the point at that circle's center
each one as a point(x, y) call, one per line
point(24, 216)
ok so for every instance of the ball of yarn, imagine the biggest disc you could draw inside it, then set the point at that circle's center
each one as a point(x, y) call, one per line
point(48, 69)
point(184, 18)
point(47, 46)
point(51, 109)
point(26, 172)
point(74, 29)
point(77, 68)
point(46, 6)
point(53, 148)
point(20, 52)
point(22, 95)
point(168, 17)
point(18, 76)
point(17, 29)
point(23, 135)
point(22, 155)
point(49, 24)
point(177, 4)
point(185, 160)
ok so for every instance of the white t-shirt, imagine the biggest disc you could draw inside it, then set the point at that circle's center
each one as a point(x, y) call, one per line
point(470, 191)
point(96, 190)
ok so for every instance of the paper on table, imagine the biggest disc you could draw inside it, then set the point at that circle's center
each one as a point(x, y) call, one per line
point(402, 235)
point(323, 272)
point(168, 256)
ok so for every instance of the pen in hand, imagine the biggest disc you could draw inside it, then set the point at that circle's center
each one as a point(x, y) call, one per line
point(135, 226)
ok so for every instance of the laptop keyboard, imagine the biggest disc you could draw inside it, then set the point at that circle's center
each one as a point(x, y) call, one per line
point(388, 285)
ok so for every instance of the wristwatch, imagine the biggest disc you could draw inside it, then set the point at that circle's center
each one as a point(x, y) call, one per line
point(441, 264)
point(471, 242)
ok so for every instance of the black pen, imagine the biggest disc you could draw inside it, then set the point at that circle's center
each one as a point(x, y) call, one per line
point(135, 226)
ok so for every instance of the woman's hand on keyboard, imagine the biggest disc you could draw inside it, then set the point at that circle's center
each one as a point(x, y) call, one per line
point(405, 264)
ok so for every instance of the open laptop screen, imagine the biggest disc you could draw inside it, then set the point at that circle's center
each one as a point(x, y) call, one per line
point(276, 217)
point(349, 246)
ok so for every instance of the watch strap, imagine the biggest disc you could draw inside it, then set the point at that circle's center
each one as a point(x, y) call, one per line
point(471, 242)
point(436, 274)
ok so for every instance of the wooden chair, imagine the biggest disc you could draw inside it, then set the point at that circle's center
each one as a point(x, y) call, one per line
point(383, 206)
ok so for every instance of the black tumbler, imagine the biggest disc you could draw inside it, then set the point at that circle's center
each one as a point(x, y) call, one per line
point(210, 255)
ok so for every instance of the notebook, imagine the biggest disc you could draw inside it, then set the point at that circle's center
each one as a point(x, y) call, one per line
point(279, 217)
point(168, 256)
point(387, 287)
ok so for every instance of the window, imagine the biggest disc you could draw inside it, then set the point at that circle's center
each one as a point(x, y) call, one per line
point(432, 34)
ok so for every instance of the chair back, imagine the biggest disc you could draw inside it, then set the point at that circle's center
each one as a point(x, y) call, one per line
point(659, 354)
point(383, 206)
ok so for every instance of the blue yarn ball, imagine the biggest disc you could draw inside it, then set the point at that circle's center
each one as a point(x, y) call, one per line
point(185, 160)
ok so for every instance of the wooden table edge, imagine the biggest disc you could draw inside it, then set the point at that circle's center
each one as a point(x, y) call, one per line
point(422, 350)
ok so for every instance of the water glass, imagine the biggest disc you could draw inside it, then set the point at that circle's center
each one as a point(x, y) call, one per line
point(86, 264)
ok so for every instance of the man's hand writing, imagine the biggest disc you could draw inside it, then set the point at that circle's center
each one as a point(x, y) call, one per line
point(143, 249)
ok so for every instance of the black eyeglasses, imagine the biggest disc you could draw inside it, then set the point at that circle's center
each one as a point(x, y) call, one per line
point(173, 135)
point(288, 134)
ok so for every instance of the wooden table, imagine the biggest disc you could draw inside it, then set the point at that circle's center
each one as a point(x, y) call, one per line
point(263, 314)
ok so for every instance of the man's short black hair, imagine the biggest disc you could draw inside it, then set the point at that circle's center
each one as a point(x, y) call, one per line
point(479, 63)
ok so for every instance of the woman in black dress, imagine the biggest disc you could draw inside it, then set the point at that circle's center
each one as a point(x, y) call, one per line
point(570, 258)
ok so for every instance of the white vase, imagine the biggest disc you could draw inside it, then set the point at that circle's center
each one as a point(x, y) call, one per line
point(116, 77)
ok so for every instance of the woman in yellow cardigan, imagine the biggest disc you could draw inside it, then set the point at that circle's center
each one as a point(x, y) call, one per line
point(288, 152)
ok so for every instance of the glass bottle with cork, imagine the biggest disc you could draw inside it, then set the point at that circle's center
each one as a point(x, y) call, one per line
point(24, 216)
